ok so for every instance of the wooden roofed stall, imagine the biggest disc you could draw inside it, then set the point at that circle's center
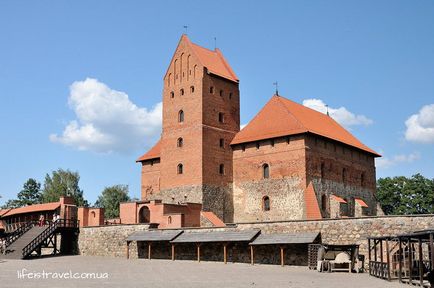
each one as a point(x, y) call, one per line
point(284, 241)
point(152, 237)
point(225, 238)
point(383, 257)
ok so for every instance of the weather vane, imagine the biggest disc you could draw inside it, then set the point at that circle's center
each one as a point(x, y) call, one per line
point(277, 87)
point(215, 43)
point(186, 29)
point(327, 107)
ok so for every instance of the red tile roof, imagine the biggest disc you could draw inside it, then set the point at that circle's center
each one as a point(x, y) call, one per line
point(153, 153)
point(3, 211)
point(339, 199)
point(33, 208)
point(311, 203)
point(283, 117)
point(216, 221)
point(361, 202)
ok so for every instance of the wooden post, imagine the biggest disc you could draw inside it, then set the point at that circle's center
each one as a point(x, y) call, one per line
point(401, 260)
point(381, 257)
point(173, 252)
point(282, 256)
point(431, 245)
point(149, 250)
point(252, 255)
point(420, 262)
point(128, 249)
point(198, 252)
point(225, 252)
point(410, 260)
point(375, 250)
point(388, 259)
point(369, 256)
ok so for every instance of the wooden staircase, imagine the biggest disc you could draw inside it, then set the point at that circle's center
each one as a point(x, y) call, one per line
point(33, 238)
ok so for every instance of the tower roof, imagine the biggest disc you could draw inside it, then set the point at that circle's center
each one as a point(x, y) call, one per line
point(283, 117)
point(212, 60)
point(152, 153)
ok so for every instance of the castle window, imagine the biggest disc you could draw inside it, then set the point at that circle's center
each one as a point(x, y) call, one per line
point(180, 168)
point(180, 142)
point(172, 94)
point(181, 92)
point(322, 170)
point(181, 116)
point(344, 175)
point(221, 92)
point(362, 179)
point(221, 117)
point(265, 171)
point(230, 95)
point(222, 169)
point(222, 143)
point(324, 202)
point(266, 203)
point(211, 89)
point(169, 220)
point(191, 89)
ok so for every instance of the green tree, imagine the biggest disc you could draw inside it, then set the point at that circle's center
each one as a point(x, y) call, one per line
point(30, 194)
point(402, 195)
point(63, 183)
point(110, 199)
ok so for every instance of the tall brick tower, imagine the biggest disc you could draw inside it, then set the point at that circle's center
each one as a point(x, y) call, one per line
point(201, 115)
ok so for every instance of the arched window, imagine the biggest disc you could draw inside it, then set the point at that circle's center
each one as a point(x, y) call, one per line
point(344, 175)
point(221, 92)
point(266, 203)
point(172, 94)
point(169, 220)
point(265, 171)
point(222, 169)
point(362, 179)
point(93, 214)
point(181, 92)
point(211, 89)
point(221, 117)
point(191, 89)
point(322, 170)
point(222, 143)
point(169, 79)
point(181, 116)
point(324, 202)
point(180, 168)
point(180, 142)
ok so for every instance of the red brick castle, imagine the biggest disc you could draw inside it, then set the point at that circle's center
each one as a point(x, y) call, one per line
point(289, 162)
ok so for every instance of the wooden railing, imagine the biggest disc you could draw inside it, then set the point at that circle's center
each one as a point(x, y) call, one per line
point(52, 227)
point(379, 269)
point(19, 232)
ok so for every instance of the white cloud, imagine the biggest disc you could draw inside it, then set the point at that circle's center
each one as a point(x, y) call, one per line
point(107, 121)
point(420, 127)
point(341, 115)
point(386, 162)
point(242, 126)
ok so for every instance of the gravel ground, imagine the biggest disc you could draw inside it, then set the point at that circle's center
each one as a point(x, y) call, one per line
point(116, 272)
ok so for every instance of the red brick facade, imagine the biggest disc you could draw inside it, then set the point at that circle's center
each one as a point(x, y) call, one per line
point(260, 173)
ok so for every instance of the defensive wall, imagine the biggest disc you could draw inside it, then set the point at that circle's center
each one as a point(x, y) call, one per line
point(111, 240)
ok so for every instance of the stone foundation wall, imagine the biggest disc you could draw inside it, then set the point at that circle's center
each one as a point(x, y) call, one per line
point(110, 240)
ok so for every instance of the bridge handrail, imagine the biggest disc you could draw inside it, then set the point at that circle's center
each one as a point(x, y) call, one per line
point(52, 227)
point(19, 232)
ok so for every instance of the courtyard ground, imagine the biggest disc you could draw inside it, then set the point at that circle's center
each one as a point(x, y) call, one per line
point(116, 272)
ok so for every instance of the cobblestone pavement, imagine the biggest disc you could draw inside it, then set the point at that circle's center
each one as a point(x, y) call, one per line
point(165, 273)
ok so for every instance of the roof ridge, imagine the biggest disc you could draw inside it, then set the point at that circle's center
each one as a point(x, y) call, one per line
point(289, 112)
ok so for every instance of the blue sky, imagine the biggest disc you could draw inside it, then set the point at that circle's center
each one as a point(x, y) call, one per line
point(372, 62)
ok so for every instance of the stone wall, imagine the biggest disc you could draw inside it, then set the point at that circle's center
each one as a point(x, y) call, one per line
point(110, 240)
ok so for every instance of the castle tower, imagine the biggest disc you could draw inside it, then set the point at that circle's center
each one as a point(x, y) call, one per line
point(201, 115)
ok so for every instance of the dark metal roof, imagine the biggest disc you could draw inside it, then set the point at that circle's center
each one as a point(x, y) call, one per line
point(156, 235)
point(287, 238)
point(216, 236)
